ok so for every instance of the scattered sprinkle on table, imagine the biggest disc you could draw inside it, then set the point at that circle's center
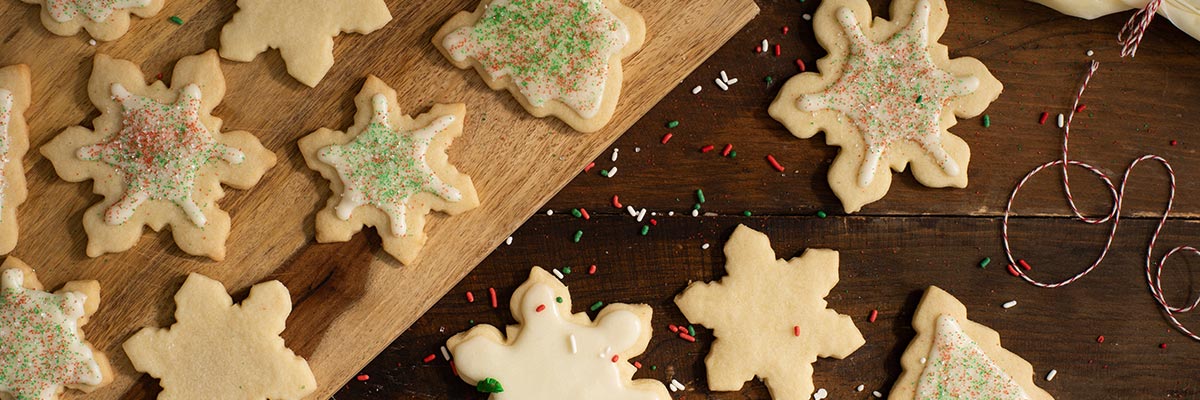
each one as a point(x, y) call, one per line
point(176, 20)
point(363, 378)
point(774, 163)
point(747, 213)
point(596, 306)
point(984, 263)
point(1010, 304)
point(1050, 376)
point(645, 230)
point(697, 89)
point(700, 195)
point(578, 235)
point(822, 214)
point(987, 121)
point(672, 124)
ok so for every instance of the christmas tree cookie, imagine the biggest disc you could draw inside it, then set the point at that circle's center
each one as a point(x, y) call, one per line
point(218, 350)
point(770, 317)
point(954, 358)
point(552, 354)
point(389, 171)
point(158, 157)
point(557, 57)
point(14, 142)
point(302, 30)
point(44, 351)
point(887, 94)
point(104, 20)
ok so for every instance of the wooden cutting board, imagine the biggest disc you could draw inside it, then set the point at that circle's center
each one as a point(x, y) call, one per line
point(350, 299)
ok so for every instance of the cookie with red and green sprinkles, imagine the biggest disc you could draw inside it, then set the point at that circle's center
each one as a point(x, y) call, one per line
point(954, 358)
point(44, 351)
point(389, 171)
point(104, 20)
point(559, 58)
point(158, 157)
point(886, 93)
point(15, 94)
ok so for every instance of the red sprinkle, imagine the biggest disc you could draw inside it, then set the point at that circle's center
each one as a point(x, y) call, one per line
point(540, 308)
point(589, 167)
point(666, 138)
point(758, 49)
point(777, 50)
point(687, 337)
point(1081, 108)
point(159, 76)
point(430, 357)
point(653, 222)
point(637, 365)
point(364, 377)
point(470, 297)
point(774, 163)
point(1013, 270)
point(874, 315)
point(592, 269)
point(728, 148)
point(1174, 142)
point(1024, 265)
point(800, 63)
point(616, 357)
point(1162, 346)
point(796, 330)
point(585, 213)
point(1042, 119)
point(453, 368)
point(492, 293)
point(785, 30)
point(617, 202)
point(706, 149)
point(673, 328)
point(1100, 339)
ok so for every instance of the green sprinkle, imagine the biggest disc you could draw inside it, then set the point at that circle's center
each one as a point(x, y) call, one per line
point(984, 263)
point(691, 331)
point(654, 368)
point(821, 214)
point(176, 20)
point(578, 235)
point(597, 305)
point(489, 385)
point(558, 299)
point(919, 98)
point(769, 80)
point(604, 173)
point(746, 213)
point(673, 124)
point(645, 229)
point(733, 154)
point(566, 270)
point(576, 213)
point(696, 206)
point(987, 121)
point(471, 321)
point(700, 195)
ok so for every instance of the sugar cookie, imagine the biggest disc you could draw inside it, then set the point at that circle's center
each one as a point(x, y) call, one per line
point(104, 20)
point(14, 142)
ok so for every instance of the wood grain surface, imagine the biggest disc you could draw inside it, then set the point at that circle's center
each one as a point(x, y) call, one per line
point(894, 248)
point(350, 299)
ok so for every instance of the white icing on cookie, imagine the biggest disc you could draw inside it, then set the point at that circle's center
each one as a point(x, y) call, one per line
point(957, 368)
point(6, 110)
point(96, 10)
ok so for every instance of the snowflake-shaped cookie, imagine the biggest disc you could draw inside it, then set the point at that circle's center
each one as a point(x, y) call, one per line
point(158, 157)
point(44, 351)
point(552, 354)
point(389, 170)
point(954, 358)
point(886, 94)
point(558, 57)
point(14, 142)
point(302, 30)
point(104, 20)
point(218, 350)
point(769, 317)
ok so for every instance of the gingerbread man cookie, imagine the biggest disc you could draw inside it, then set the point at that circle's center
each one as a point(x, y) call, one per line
point(552, 354)
point(887, 94)
point(954, 358)
point(218, 350)
point(44, 350)
point(557, 57)
point(389, 170)
point(158, 157)
point(770, 317)
point(302, 30)
point(104, 20)
point(14, 142)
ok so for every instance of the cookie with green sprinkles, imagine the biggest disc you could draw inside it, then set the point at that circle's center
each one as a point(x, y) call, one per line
point(15, 94)
point(158, 157)
point(558, 58)
point(887, 93)
point(44, 351)
point(302, 30)
point(104, 20)
point(553, 354)
point(954, 358)
point(389, 171)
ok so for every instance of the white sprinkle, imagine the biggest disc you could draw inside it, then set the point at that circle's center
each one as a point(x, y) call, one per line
point(711, 214)
point(637, 149)
point(1050, 376)
point(697, 89)
point(1010, 304)
point(764, 46)
point(724, 77)
point(807, 17)
point(612, 172)
point(860, 388)
point(632, 211)
point(923, 360)
point(549, 212)
point(641, 214)
point(653, 213)
point(672, 386)
point(677, 384)
point(721, 84)
point(1091, 53)
point(557, 273)
point(732, 81)
point(508, 241)
point(445, 353)
point(695, 213)
point(574, 348)
point(877, 394)
point(670, 213)
point(92, 42)
point(614, 155)
point(704, 246)
point(1061, 122)
point(821, 394)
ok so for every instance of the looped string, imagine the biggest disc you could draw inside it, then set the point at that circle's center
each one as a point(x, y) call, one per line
point(1153, 270)
point(1131, 34)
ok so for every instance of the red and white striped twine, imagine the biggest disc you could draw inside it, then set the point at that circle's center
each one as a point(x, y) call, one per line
point(1153, 271)
point(1131, 34)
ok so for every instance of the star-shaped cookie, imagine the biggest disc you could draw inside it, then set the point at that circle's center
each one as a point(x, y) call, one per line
point(886, 94)
point(302, 30)
point(552, 354)
point(218, 350)
point(158, 157)
point(104, 20)
point(769, 317)
point(44, 350)
point(389, 170)
point(954, 358)
point(557, 57)
point(14, 142)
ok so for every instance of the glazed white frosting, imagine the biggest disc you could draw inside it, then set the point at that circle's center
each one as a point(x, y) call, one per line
point(957, 368)
point(96, 10)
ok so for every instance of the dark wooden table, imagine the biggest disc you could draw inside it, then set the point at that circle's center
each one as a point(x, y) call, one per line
point(893, 249)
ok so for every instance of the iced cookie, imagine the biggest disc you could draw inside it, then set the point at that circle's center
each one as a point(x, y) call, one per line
point(302, 30)
point(104, 20)
point(552, 354)
point(769, 317)
point(218, 350)
point(954, 358)
point(557, 57)
point(158, 157)
point(389, 171)
point(14, 142)
point(44, 351)
point(887, 94)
